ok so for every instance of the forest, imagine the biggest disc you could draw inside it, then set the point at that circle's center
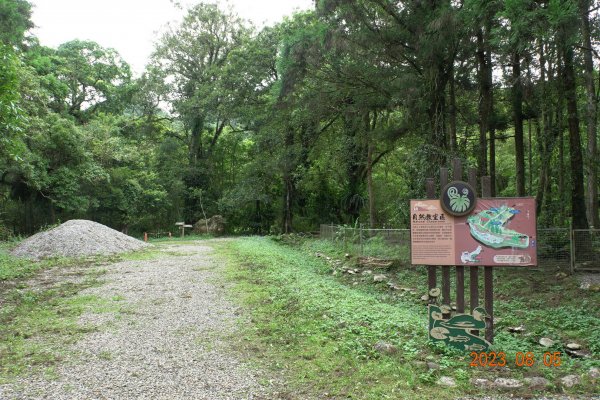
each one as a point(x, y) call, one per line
point(334, 115)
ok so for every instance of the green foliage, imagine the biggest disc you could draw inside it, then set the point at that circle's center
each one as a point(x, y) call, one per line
point(337, 114)
point(37, 326)
point(320, 328)
point(15, 20)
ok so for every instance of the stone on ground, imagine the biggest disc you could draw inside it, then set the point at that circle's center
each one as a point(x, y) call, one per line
point(214, 225)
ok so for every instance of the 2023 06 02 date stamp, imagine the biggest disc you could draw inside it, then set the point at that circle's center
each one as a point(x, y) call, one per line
point(493, 359)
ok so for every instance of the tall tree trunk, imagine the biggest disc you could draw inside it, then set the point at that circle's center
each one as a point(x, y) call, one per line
point(452, 113)
point(590, 117)
point(195, 146)
point(517, 108)
point(370, 128)
point(577, 187)
point(493, 161)
point(485, 101)
point(370, 186)
point(288, 184)
point(437, 116)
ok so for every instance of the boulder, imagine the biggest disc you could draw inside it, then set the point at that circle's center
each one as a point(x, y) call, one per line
point(446, 381)
point(215, 225)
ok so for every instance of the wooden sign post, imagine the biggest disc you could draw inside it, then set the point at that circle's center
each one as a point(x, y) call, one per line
point(458, 230)
point(182, 226)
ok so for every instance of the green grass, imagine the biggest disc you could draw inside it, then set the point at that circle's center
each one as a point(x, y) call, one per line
point(318, 330)
point(179, 240)
point(38, 322)
point(37, 326)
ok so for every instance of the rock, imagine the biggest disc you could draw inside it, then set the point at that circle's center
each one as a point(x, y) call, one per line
point(516, 329)
point(435, 292)
point(561, 275)
point(569, 380)
point(367, 272)
point(577, 353)
point(385, 347)
point(537, 382)
point(432, 366)
point(445, 309)
point(347, 255)
point(574, 346)
point(446, 381)
point(379, 278)
point(351, 272)
point(546, 342)
point(481, 383)
point(425, 297)
point(214, 225)
point(393, 286)
point(594, 373)
point(318, 254)
point(506, 383)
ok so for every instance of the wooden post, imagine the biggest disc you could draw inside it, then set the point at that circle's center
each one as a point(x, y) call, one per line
point(457, 169)
point(473, 270)
point(145, 236)
point(431, 269)
point(460, 269)
point(446, 299)
point(486, 188)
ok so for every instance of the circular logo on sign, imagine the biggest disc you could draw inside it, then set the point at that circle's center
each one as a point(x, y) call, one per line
point(458, 198)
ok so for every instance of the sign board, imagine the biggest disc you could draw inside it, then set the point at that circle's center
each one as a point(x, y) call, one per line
point(457, 331)
point(458, 198)
point(498, 232)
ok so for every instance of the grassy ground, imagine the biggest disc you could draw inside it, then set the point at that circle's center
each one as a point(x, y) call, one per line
point(319, 329)
point(38, 315)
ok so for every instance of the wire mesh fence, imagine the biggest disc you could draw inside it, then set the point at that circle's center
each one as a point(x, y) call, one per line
point(554, 245)
point(585, 249)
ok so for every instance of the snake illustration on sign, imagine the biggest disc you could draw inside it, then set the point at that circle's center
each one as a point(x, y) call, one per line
point(458, 198)
point(457, 331)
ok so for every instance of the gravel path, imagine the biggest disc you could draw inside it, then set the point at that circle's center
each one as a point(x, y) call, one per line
point(168, 345)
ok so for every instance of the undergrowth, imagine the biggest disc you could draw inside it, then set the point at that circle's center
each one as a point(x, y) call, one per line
point(319, 330)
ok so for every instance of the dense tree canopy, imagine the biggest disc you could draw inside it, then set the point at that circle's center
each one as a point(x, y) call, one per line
point(336, 114)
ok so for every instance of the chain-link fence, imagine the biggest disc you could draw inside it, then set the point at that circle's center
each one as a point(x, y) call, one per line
point(585, 250)
point(381, 243)
point(555, 247)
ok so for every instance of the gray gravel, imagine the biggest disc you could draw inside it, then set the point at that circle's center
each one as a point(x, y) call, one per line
point(77, 238)
point(169, 343)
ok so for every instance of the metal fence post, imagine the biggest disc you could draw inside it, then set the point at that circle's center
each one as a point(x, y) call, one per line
point(360, 233)
point(572, 240)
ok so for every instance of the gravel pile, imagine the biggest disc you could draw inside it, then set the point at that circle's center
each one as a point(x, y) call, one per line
point(77, 238)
